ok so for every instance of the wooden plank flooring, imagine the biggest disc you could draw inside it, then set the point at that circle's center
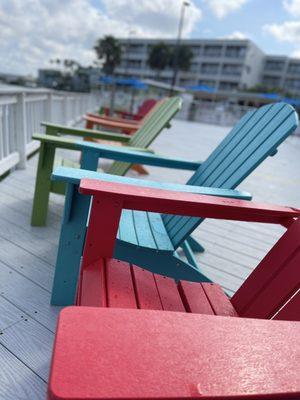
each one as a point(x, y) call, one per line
point(27, 254)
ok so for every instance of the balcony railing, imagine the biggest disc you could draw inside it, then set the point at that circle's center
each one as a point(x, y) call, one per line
point(21, 113)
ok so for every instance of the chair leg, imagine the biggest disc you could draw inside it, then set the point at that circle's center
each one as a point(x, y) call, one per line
point(140, 169)
point(189, 254)
point(42, 185)
point(195, 246)
point(72, 239)
point(70, 247)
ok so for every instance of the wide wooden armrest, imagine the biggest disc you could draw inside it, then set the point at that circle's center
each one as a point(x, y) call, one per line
point(114, 119)
point(112, 124)
point(179, 203)
point(53, 129)
point(74, 176)
point(128, 155)
point(119, 153)
point(144, 354)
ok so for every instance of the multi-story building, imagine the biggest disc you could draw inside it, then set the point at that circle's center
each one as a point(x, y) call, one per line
point(282, 72)
point(222, 64)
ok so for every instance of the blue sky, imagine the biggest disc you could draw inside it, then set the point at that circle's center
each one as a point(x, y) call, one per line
point(249, 20)
point(35, 31)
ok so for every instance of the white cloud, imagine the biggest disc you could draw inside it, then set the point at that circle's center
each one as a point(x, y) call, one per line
point(296, 54)
point(221, 8)
point(237, 35)
point(288, 31)
point(34, 31)
point(154, 17)
point(292, 7)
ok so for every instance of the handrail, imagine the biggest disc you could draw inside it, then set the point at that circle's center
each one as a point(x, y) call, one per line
point(23, 109)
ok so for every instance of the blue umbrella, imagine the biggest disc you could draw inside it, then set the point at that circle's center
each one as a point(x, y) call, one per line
point(270, 96)
point(201, 88)
point(294, 102)
point(131, 82)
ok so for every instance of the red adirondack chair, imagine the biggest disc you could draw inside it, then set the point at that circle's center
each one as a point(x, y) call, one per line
point(123, 124)
point(126, 354)
point(161, 355)
point(142, 111)
point(267, 293)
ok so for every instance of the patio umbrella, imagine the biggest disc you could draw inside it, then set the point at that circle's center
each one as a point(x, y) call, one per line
point(133, 83)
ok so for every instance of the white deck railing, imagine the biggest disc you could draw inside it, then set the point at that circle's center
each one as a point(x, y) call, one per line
point(22, 111)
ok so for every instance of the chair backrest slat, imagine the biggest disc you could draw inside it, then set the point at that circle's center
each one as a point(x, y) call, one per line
point(144, 109)
point(147, 133)
point(274, 282)
point(255, 137)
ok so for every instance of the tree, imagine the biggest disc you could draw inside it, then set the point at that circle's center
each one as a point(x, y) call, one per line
point(159, 57)
point(108, 49)
point(182, 56)
point(261, 88)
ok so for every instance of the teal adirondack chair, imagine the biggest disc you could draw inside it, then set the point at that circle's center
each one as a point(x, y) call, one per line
point(150, 240)
point(159, 119)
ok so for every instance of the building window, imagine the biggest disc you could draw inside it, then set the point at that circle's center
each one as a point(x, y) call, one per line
point(209, 69)
point(212, 51)
point(293, 84)
point(196, 50)
point(271, 81)
point(228, 86)
point(294, 68)
point(206, 82)
point(133, 64)
point(194, 67)
point(136, 48)
point(235, 51)
point(272, 65)
point(232, 69)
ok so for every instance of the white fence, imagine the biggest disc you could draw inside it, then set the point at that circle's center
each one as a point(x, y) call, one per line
point(216, 113)
point(21, 113)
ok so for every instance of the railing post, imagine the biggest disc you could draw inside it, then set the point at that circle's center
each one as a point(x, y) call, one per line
point(21, 129)
point(65, 109)
point(49, 107)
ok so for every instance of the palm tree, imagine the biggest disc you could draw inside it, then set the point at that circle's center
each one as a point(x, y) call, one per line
point(181, 59)
point(108, 49)
point(159, 57)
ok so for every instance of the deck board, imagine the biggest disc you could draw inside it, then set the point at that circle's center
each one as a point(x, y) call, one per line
point(27, 254)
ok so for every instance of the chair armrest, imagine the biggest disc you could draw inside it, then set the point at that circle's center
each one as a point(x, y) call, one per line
point(112, 124)
point(118, 153)
point(129, 155)
point(111, 198)
point(195, 205)
point(52, 129)
point(113, 119)
point(74, 175)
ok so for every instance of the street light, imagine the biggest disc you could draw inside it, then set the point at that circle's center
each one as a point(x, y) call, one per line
point(176, 51)
point(130, 34)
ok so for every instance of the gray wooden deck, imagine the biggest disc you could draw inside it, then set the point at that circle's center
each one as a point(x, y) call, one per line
point(27, 255)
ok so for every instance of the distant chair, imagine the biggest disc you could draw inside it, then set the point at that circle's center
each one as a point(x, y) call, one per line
point(125, 125)
point(142, 111)
point(159, 119)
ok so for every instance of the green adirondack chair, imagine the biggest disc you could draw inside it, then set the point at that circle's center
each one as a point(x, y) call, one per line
point(154, 124)
point(150, 240)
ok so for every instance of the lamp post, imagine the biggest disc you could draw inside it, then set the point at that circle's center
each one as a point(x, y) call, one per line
point(176, 51)
point(130, 34)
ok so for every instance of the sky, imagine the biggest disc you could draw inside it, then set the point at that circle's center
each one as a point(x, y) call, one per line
point(34, 31)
